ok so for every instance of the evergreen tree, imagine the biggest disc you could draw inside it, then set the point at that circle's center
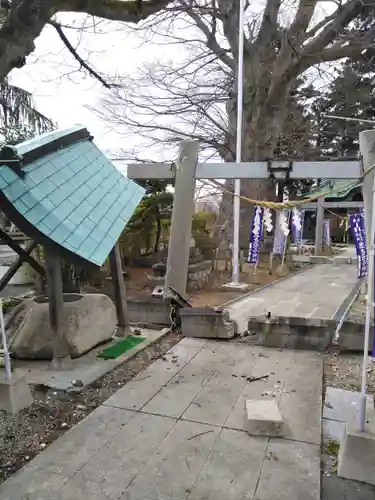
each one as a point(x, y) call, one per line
point(350, 95)
point(19, 118)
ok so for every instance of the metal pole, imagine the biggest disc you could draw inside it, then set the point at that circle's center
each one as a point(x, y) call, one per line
point(366, 144)
point(369, 306)
point(237, 182)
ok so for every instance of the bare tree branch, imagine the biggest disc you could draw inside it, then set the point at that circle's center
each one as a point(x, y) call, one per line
point(76, 56)
point(211, 41)
point(26, 19)
point(269, 26)
point(344, 15)
point(116, 10)
point(304, 14)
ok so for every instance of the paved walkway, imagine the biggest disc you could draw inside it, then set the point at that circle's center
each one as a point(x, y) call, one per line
point(304, 295)
point(176, 432)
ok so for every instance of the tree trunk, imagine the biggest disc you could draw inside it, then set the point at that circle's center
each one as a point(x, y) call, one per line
point(158, 235)
point(24, 23)
point(261, 131)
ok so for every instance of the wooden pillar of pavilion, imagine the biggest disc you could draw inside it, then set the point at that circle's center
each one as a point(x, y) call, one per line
point(123, 328)
point(61, 358)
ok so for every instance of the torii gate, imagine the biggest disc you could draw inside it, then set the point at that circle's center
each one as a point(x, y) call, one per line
point(187, 169)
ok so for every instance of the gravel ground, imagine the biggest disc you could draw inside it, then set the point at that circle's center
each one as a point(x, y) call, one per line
point(345, 370)
point(24, 435)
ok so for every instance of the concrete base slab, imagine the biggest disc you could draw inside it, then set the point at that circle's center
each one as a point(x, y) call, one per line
point(343, 406)
point(86, 369)
point(236, 287)
point(263, 418)
point(15, 394)
point(357, 456)
point(333, 430)
point(351, 336)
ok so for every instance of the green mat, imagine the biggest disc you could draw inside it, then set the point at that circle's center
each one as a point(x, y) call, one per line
point(115, 350)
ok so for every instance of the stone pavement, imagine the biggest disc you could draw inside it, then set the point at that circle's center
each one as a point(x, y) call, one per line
point(304, 295)
point(176, 432)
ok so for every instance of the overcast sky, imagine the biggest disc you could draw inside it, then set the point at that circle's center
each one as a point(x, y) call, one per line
point(63, 93)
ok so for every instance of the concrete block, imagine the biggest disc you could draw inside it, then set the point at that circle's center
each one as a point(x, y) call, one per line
point(15, 394)
point(301, 259)
point(292, 332)
point(263, 418)
point(206, 322)
point(351, 337)
point(151, 310)
point(357, 456)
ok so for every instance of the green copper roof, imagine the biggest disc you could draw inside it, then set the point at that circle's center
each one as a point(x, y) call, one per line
point(74, 196)
point(341, 188)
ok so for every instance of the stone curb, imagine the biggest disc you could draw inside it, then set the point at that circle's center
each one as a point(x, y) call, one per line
point(340, 311)
point(290, 332)
point(293, 321)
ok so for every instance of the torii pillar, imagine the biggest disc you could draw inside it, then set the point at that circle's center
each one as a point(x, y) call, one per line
point(183, 209)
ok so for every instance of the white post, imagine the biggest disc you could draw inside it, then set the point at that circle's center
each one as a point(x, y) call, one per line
point(286, 242)
point(7, 365)
point(319, 228)
point(367, 148)
point(237, 182)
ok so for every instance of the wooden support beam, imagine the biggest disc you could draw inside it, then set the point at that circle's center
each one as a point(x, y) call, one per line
point(15, 266)
point(123, 328)
point(61, 357)
point(22, 253)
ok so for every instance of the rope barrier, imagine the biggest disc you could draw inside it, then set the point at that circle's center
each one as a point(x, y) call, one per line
point(342, 217)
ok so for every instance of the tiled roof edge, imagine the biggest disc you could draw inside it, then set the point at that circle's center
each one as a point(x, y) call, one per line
point(40, 146)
